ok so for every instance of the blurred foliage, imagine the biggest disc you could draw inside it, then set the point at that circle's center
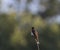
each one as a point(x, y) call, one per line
point(6, 29)
point(17, 37)
point(52, 8)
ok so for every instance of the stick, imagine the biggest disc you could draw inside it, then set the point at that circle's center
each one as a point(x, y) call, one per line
point(38, 46)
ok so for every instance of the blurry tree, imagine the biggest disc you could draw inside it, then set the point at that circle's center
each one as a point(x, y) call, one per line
point(13, 37)
point(6, 29)
point(52, 8)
